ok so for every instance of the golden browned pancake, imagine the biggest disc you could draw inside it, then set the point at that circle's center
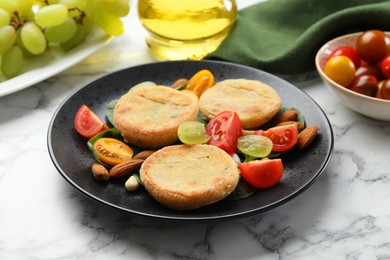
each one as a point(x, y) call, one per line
point(254, 102)
point(187, 177)
point(149, 116)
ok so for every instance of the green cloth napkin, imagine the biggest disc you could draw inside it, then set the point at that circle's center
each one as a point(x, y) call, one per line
point(283, 36)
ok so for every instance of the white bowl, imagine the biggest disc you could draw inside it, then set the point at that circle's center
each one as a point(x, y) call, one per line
point(369, 106)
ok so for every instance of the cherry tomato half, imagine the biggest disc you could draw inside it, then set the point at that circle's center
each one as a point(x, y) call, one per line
point(349, 52)
point(224, 130)
point(87, 123)
point(200, 82)
point(373, 46)
point(283, 137)
point(112, 151)
point(341, 70)
point(385, 66)
point(262, 173)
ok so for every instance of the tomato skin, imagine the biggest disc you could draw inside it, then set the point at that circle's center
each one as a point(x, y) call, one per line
point(224, 130)
point(366, 85)
point(385, 89)
point(262, 174)
point(283, 137)
point(112, 151)
point(373, 46)
point(370, 69)
point(349, 52)
point(87, 123)
point(341, 70)
point(200, 82)
point(385, 66)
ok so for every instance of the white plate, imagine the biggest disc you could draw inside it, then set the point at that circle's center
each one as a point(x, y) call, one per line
point(52, 62)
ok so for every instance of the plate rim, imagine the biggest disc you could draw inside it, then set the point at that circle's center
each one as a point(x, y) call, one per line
point(187, 218)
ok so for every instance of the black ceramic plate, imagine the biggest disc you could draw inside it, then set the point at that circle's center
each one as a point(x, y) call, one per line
point(73, 160)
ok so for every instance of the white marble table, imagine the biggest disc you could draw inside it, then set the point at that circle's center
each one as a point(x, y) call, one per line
point(345, 214)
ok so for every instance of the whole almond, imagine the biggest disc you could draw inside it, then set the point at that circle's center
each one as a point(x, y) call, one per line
point(297, 124)
point(143, 154)
point(125, 168)
point(307, 136)
point(288, 115)
point(100, 172)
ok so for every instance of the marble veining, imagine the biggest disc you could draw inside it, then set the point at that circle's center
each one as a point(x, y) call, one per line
point(345, 214)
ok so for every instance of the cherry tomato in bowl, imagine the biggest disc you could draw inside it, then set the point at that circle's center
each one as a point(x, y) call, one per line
point(349, 52)
point(87, 123)
point(365, 84)
point(369, 69)
point(262, 173)
point(341, 70)
point(385, 89)
point(224, 130)
point(385, 66)
point(373, 45)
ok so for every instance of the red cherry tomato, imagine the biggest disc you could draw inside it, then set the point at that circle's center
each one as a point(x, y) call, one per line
point(224, 130)
point(262, 173)
point(366, 85)
point(385, 89)
point(370, 69)
point(373, 46)
point(349, 52)
point(385, 66)
point(87, 123)
point(283, 137)
point(341, 70)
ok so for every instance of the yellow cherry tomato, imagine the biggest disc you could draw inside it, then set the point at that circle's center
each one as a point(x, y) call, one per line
point(200, 82)
point(341, 70)
point(112, 151)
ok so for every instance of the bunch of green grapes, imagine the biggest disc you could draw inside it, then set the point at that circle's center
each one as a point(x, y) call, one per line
point(29, 27)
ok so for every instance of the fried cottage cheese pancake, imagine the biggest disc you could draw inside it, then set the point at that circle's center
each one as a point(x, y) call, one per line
point(187, 177)
point(254, 102)
point(149, 116)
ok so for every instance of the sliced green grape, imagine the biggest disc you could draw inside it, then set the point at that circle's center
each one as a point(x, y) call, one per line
point(12, 62)
point(255, 145)
point(32, 38)
point(51, 15)
point(62, 32)
point(9, 5)
point(7, 37)
point(118, 8)
point(110, 23)
point(192, 132)
point(5, 17)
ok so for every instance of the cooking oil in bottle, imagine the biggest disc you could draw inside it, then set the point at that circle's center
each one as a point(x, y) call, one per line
point(186, 29)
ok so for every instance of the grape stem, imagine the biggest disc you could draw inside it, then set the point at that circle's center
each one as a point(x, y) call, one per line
point(16, 21)
point(80, 18)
